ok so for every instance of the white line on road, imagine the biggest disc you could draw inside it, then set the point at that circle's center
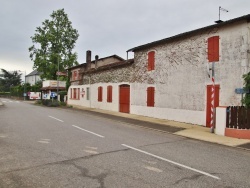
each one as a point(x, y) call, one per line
point(56, 118)
point(172, 162)
point(87, 131)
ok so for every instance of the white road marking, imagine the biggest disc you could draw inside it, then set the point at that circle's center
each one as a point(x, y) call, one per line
point(93, 148)
point(56, 119)
point(172, 162)
point(43, 142)
point(92, 152)
point(88, 131)
point(153, 169)
point(4, 101)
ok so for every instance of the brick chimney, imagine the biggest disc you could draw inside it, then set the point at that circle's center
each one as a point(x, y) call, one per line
point(88, 59)
point(96, 59)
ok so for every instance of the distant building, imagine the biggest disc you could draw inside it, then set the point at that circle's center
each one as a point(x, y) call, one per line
point(33, 77)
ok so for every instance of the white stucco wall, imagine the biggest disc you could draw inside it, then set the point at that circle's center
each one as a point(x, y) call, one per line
point(32, 79)
point(93, 99)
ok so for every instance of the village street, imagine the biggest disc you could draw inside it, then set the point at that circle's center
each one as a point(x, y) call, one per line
point(55, 147)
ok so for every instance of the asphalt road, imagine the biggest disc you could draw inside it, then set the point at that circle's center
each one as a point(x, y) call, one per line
point(51, 147)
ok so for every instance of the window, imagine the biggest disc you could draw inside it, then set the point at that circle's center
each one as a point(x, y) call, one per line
point(213, 49)
point(87, 93)
point(75, 93)
point(151, 96)
point(74, 96)
point(151, 60)
point(78, 94)
point(109, 94)
point(75, 75)
point(100, 94)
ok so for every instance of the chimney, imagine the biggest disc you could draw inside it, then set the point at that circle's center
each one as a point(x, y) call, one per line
point(96, 59)
point(88, 59)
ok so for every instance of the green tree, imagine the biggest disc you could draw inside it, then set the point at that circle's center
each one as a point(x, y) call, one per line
point(53, 43)
point(9, 79)
point(246, 99)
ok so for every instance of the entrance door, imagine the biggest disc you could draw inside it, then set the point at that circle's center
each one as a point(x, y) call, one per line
point(124, 98)
point(216, 102)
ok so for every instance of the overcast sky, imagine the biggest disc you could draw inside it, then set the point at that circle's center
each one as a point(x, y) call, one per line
point(106, 27)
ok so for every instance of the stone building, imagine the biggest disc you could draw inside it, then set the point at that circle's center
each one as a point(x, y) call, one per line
point(168, 78)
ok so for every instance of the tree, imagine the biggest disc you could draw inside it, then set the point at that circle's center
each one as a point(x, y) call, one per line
point(9, 79)
point(53, 43)
point(246, 99)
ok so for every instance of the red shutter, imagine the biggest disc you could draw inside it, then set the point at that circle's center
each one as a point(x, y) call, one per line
point(213, 49)
point(150, 96)
point(100, 94)
point(78, 97)
point(151, 60)
point(109, 94)
point(71, 93)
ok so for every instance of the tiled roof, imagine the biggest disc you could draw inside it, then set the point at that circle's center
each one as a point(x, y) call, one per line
point(34, 72)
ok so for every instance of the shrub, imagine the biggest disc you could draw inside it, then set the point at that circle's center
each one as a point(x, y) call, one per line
point(50, 103)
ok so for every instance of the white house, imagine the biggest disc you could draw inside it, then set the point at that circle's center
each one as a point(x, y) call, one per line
point(33, 77)
point(168, 78)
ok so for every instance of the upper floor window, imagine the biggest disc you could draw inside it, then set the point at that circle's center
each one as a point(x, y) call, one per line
point(100, 94)
point(213, 49)
point(151, 60)
point(109, 94)
point(75, 75)
point(151, 96)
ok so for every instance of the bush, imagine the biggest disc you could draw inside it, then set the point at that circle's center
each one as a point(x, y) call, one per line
point(38, 102)
point(50, 103)
point(63, 103)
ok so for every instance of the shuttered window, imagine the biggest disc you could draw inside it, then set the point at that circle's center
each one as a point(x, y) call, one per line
point(71, 95)
point(151, 60)
point(78, 94)
point(151, 96)
point(213, 49)
point(100, 94)
point(109, 94)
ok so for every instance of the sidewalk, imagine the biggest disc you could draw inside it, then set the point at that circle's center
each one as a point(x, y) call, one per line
point(182, 129)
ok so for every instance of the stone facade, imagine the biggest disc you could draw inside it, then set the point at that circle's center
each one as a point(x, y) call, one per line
point(180, 76)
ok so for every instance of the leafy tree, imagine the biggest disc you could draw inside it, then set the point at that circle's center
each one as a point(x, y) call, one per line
point(53, 43)
point(246, 99)
point(9, 79)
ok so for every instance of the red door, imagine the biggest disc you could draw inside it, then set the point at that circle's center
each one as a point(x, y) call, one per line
point(216, 102)
point(124, 98)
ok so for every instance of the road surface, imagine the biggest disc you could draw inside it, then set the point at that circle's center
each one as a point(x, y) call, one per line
point(53, 147)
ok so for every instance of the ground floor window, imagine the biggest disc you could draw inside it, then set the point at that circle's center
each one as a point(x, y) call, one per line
point(100, 94)
point(109, 94)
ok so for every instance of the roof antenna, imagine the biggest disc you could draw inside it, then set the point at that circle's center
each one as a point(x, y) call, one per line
point(225, 10)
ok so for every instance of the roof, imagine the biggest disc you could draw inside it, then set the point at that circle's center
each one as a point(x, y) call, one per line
point(111, 66)
point(84, 64)
point(186, 34)
point(34, 72)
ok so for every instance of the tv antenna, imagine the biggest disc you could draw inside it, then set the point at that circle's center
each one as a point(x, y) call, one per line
point(221, 9)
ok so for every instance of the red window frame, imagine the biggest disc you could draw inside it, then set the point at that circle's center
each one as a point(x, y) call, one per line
point(150, 96)
point(100, 94)
point(151, 60)
point(109, 94)
point(213, 49)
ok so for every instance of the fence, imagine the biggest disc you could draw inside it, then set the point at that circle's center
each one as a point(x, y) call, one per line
point(238, 117)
